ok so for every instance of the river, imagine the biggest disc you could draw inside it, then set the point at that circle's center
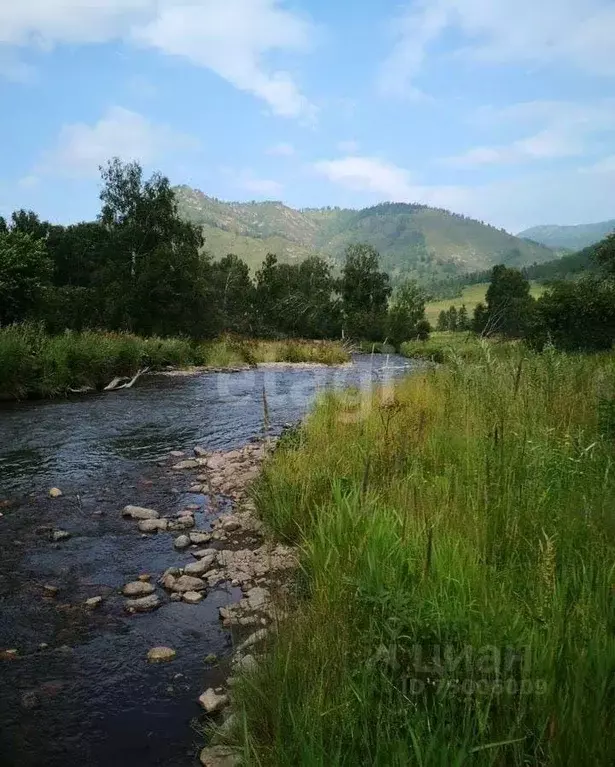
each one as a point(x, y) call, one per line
point(81, 692)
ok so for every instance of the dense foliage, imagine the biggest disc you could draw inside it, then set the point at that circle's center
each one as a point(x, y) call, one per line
point(142, 268)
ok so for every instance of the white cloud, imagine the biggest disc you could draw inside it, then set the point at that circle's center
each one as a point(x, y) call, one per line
point(567, 129)
point(230, 37)
point(578, 33)
point(81, 148)
point(281, 150)
point(605, 165)
point(385, 181)
point(348, 147)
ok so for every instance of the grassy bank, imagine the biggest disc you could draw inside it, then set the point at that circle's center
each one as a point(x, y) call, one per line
point(450, 347)
point(456, 599)
point(35, 364)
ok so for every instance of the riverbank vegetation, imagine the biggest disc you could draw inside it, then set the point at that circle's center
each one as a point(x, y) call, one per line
point(455, 600)
point(36, 364)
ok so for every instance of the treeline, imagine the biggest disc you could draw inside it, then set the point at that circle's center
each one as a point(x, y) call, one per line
point(141, 268)
point(573, 315)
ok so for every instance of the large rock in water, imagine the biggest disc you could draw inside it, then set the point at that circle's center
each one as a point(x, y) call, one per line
point(153, 525)
point(144, 604)
point(188, 583)
point(201, 567)
point(212, 702)
point(138, 589)
point(138, 512)
point(161, 655)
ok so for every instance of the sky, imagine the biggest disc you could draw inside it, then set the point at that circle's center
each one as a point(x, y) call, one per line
point(503, 110)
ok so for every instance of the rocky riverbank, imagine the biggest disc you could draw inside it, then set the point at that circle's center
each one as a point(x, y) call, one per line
point(231, 551)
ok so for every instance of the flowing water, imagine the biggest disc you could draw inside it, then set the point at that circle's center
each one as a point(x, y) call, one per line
point(81, 692)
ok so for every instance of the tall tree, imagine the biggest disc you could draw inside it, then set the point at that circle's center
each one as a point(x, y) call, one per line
point(365, 292)
point(442, 321)
point(156, 275)
point(234, 292)
point(25, 275)
point(509, 302)
point(407, 309)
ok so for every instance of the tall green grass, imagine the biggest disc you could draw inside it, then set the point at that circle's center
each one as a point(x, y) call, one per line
point(33, 363)
point(455, 604)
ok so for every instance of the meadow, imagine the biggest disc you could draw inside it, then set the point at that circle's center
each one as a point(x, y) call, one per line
point(471, 295)
point(36, 364)
point(455, 603)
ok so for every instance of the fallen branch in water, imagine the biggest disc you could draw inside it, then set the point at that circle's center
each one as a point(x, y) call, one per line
point(117, 382)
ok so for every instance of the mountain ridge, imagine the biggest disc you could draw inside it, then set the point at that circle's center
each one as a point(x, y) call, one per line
point(573, 237)
point(413, 239)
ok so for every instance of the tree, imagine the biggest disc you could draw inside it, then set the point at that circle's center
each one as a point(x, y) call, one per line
point(605, 253)
point(442, 321)
point(480, 318)
point(27, 222)
point(509, 302)
point(463, 320)
point(575, 316)
point(235, 294)
point(25, 274)
point(365, 292)
point(452, 318)
point(156, 277)
point(406, 311)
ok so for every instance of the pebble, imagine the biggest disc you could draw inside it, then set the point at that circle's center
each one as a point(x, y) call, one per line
point(211, 658)
point(253, 639)
point(60, 535)
point(93, 602)
point(212, 702)
point(11, 654)
point(247, 664)
point(191, 463)
point(161, 654)
point(200, 452)
point(200, 567)
point(177, 454)
point(145, 577)
point(181, 542)
point(176, 597)
point(55, 492)
point(199, 538)
point(50, 590)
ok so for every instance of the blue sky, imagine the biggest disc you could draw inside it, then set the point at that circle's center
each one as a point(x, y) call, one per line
point(500, 109)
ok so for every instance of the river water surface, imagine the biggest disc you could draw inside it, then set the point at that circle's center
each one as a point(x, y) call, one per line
point(81, 693)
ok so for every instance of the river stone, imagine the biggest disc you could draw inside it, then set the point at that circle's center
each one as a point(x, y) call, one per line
point(253, 639)
point(161, 655)
point(93, 602)
point(144, 604)
point(200, 553)
point(230, 525)
point(153, 525)
point(195, 489)
point(200, 567)
point(177, 454)
point(50, 591)
point(212, 702)
point(138, 589)
point(55, 492)
point(248, 664)
point(200, 452)
point(218, 756)
point(191, 463)
point(188, 583)
point(181, 542)
point(198, 538)
point(138, 512)
point(183, 523)
point(192, 597)
point(60, 535)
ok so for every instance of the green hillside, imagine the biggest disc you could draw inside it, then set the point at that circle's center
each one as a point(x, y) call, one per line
point(415, 240)
point(571, 237)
